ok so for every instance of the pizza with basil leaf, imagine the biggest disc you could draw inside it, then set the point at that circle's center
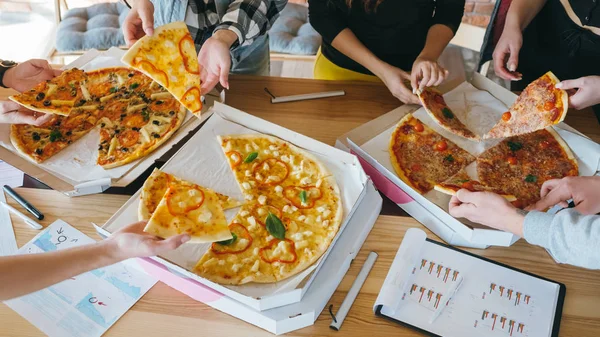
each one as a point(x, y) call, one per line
point(463, 180)
point(435, 105)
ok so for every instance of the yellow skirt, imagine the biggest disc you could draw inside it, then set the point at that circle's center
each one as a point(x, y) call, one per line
point(327, 70)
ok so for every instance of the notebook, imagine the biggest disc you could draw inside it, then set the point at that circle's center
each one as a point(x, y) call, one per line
point(443, 291)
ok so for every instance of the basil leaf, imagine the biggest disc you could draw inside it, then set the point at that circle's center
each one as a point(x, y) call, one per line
point(113, 90)
point(303, 197)
point(228, 242)
point(275, 227)
point(514, 146)
point(449, 158)
point(530, 178)
point(447, 113)
point(134, 85)
point(251, 157)
point(55, 135)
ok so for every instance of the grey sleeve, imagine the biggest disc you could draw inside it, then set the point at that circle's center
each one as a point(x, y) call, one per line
point(569, 236)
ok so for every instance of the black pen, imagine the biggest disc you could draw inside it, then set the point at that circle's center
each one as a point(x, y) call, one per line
point(29, 207)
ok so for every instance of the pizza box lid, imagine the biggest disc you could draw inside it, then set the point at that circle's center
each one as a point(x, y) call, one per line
point(201, 161)
point(68, 173)
point(370, 142)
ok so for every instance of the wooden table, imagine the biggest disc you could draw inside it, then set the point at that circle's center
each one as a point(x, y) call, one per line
point(164, 311)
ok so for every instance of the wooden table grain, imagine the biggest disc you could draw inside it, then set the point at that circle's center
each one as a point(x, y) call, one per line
point(164, 311)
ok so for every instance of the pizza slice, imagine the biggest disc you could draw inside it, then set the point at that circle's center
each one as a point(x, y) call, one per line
point(519, 165)
point(423, 158)
point(463, 180)
point(169, 57)
point(55, 96)
point(189, 208)
point(540, 105)
point(436, 107)
point(156, 186)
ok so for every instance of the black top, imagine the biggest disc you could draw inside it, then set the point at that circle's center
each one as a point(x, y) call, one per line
point(588, 11)
point(395, 32)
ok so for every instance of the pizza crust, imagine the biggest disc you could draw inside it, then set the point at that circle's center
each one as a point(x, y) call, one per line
point(46, 111)
point(460, 130)
point(564, 96)
point(17, 142)
point(563, 144)
point(451, 191)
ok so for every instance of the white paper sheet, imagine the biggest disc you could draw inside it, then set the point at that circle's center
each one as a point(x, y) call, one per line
point(492, 300)
point(84, 305)
point(8, 242)
point(206, 165)
point(10, 176)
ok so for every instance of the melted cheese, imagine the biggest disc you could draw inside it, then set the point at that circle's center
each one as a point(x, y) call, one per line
point(255, 267)
point(85, 92)
point(108, 97)
point(51, 89)
point(161, 95)
point(113, 146)
point(137, 107)
point(61, 102)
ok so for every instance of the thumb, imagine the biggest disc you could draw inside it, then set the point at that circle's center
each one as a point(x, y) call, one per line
point(466, 196)
point(38, 63)
point(146, 13)
point(462, 211)
point(224, 76)
point(7, 106)
point(513, 60)
point(570, 84)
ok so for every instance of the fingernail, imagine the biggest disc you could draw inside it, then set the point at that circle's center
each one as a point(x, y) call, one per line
point(559, 85)
point(185, 239)
point(512, 67)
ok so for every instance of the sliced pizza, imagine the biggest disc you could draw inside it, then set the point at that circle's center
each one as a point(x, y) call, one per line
point(540, 105)
point(190, 209)
point(423, 158)
point(519, 165)
point(169, 57)
point(156, 186)
point(435, 105)
point(55, 96)
point(463, 180)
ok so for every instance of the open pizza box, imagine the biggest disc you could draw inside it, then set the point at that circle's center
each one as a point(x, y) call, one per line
point(73, 171)
point(485, 101)
point(201, 161)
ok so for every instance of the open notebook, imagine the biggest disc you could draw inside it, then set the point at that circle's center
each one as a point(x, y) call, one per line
point(443, 291)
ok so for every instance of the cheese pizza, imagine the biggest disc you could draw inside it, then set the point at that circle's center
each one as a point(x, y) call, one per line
point(55, 96)
point(423, 158)
point(436, 107)
point(463, 180)
point(169, 57)
point(540, 105)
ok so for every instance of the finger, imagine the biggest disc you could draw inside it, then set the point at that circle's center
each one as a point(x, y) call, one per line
point(8, 106)
point(554, 197)
point(425, 78)
point(136, 227)
point(467, 196)
point(224, 77)
point(414, 79)
point(442, 74)
point(146, 13)
point(209, 83)
point(580, 100)
point(513, 60)
point(171, 243)
point(548, 186)
point(454, 202)
point(57, 72)
point(570, 84)
point(464, 210)
point(433, 77)
point(39, 63)
point(42, 119)
point(500, 66)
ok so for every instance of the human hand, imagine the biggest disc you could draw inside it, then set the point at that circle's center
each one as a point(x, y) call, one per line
point(588, 91)
point(215, 60)
point(506, 53)
point(396, 80)
point(426, 73)
point(132, 241)
point(13, 113)
point(139, 21)
point(28, 74)
point(585, 192)
point(488, 209)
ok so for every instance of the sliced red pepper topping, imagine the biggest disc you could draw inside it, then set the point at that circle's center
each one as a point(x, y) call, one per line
point(312, 193)
point(192, 99)
point(129, 138)
point(234, 157)
point(181, 200)
point(260, 213)
point(266, 252)
point(150, 68)
point(190, 62)
point(238, 246)
point(271, 171)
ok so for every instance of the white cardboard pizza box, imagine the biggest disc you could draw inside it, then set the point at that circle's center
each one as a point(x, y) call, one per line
point(201, 161)
point(65, 172)
point(438, 220)
point(292, 316)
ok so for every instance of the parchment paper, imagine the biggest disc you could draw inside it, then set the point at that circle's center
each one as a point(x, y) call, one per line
point(202, 161)
point(479, 111)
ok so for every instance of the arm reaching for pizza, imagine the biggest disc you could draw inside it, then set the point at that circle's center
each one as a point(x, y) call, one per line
point(426, 71)
point(13, 113)
point(506, 53)
point(569, 236)
point(139, 21)
point(588, 91)
point(215, 60)
point(28, 273)
point(584, 191)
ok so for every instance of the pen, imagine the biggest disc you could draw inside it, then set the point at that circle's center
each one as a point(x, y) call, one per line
point(338, 318)
point(25, 218)
point(19, 199)
point(451, 293)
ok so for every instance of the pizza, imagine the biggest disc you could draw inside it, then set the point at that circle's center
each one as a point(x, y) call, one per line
point(463, 180)
point(436, 107)
point(55, 96)
point(520, 165)
point(134, 115)
point(169, 57)
point(423, 158)
point(188, 208)
point(540, 105)
point(292, 213)
point(156, 186)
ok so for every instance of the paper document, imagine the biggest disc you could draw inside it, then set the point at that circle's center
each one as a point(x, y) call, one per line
point(10, 176)
point(8, 242)
point(84, 305)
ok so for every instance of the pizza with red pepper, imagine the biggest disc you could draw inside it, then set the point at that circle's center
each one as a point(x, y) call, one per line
point(436, 107)
point(520, 165)
point(423, 158)
point(540, 105)
point(292, 213)
point(169, 57)
point(463, 180)
point(55, 96)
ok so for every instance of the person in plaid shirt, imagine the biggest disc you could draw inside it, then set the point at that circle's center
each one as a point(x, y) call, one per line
point(231, 35)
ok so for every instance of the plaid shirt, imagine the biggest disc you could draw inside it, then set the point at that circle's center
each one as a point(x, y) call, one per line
point(248, 19)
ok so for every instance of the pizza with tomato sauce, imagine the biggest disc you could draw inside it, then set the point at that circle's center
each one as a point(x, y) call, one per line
point(423, 158)
point(520, 165)
point(463, 180)
point(292, 213)
point(55, 96)
point(540, 105)
point(169, 57)
point(435, 105)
